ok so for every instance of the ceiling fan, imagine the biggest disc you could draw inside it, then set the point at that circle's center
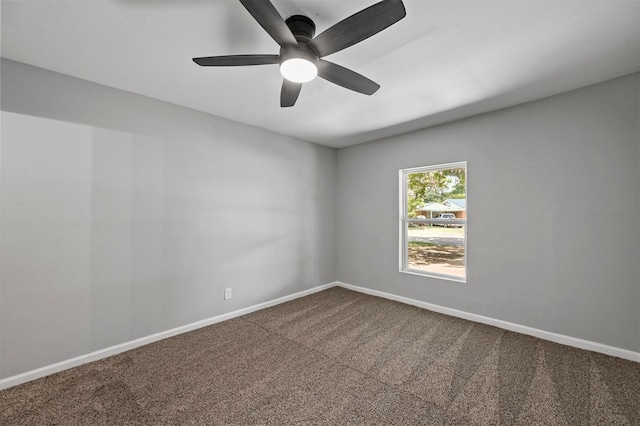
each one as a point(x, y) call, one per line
point(300, 52)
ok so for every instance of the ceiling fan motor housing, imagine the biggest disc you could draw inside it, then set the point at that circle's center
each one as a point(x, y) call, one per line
point(303, 28)
point(298, 52)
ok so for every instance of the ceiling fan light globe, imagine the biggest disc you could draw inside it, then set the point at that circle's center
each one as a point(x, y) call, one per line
point(298, 70)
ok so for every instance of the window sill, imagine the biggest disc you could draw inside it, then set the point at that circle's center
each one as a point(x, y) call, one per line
point(462, 280)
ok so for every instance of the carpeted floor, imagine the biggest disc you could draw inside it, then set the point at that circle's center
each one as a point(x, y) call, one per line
point(338, 357)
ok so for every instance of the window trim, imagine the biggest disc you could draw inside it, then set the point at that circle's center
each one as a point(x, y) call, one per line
point(404, 221)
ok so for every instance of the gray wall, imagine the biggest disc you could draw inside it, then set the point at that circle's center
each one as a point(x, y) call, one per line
point(123, 216)
point(553, 225)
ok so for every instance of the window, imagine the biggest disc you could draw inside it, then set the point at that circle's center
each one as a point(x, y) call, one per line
point(433, 221)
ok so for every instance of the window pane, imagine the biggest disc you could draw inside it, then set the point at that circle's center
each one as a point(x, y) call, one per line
point(436, 193)
point(436, 249)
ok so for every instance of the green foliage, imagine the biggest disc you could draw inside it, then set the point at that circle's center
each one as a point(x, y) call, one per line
point(434, 187)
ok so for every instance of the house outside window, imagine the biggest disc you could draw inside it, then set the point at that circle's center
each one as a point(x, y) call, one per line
point(433, 221)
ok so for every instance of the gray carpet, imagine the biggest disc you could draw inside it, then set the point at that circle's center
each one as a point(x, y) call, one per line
point(338, 357)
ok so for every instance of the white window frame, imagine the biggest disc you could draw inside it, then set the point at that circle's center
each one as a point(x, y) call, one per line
point(405, 221)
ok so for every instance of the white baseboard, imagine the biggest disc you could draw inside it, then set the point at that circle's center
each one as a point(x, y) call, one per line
point(542, 334)
point(113, 350)
point(123, 347)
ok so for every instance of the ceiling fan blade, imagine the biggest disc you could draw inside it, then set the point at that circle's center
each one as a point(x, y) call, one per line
point(358, 27)
point(266, 14)
point(236, 60)
point(346, 78)
point(289, 93)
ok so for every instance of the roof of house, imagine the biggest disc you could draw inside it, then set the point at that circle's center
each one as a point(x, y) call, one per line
point(437, 207)
point(456, 202)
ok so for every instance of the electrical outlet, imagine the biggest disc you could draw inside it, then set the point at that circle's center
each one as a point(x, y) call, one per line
point(227, 293)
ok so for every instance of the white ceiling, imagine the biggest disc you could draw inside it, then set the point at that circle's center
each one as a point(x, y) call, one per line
point(447, 59)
